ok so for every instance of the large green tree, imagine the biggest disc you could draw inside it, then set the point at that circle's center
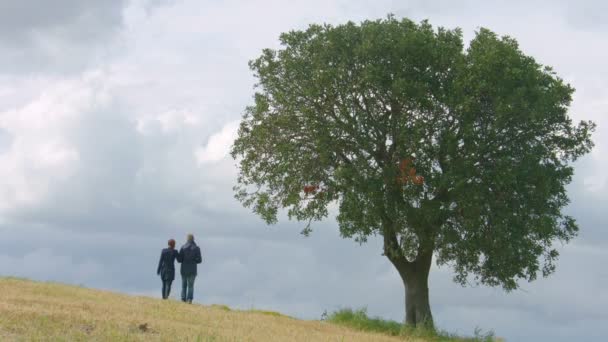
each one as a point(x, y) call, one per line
point(461, 154)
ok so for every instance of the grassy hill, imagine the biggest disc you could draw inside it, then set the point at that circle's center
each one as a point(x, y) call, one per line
point(48, 311)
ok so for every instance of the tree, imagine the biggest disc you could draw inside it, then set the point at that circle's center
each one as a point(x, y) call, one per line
point(462, 154)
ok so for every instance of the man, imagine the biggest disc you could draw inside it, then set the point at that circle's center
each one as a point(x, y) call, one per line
point(166, 267)
point(189, 256)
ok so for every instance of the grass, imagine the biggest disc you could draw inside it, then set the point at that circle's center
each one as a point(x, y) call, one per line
point(38, 311)
point(358, 319)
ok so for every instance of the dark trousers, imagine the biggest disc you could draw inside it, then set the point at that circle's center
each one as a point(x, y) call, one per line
point(188, 288)
point(166, 288)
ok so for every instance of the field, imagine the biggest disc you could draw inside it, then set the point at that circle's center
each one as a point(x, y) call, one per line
point(38, 311)
point(48, 311)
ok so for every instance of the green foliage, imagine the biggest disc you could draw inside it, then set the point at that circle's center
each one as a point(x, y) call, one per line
point(358, 319)
point(338, 108)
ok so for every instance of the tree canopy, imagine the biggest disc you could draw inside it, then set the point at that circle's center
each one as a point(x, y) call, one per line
point(461, 153)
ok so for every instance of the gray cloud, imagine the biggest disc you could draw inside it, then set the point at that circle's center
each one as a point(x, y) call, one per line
point(99, 166)
point(5, 140)
point(588, 202)
point(588, 15)
point(65, 36)
point(76, 20)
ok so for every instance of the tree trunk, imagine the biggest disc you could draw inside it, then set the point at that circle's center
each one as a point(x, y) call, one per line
point(415, 277)
point(417, 306)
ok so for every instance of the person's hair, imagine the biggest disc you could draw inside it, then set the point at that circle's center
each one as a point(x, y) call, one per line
point(190, 237)
point(171, 243)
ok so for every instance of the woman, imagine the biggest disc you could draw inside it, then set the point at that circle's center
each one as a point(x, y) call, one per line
point(166, 267)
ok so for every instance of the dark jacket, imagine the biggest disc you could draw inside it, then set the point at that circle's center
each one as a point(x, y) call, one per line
point(166, 264)
point(189, 256)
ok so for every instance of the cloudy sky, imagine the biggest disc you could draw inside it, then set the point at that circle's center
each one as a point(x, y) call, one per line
point(115, 121)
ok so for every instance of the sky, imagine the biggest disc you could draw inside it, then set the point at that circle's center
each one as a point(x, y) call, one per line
point(116, 118)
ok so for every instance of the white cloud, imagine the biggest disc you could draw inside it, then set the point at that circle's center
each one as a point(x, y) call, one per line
point(41, 151)
point(218, 146)
point(167, 122)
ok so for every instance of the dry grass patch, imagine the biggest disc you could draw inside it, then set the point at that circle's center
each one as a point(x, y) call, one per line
point(48, 311)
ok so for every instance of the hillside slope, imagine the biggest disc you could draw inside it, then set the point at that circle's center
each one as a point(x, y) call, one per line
point(48, 311)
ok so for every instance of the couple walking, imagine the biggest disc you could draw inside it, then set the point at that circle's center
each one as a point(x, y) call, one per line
point(189, 256)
